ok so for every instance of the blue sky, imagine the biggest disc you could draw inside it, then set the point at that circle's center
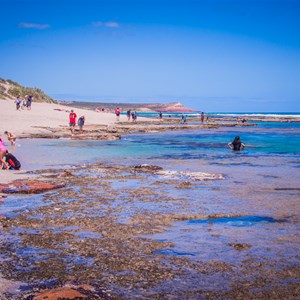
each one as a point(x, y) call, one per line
point(210, 55)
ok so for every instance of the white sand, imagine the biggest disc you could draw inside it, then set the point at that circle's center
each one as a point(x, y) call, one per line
point(45, 115)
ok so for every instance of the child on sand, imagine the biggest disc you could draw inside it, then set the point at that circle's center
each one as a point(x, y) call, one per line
point(11, 137)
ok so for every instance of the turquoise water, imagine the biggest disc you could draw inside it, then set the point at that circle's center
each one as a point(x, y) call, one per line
point(218, 114)
point(266, 139)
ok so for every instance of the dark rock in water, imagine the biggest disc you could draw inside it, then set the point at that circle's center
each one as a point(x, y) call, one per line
point(3, 221)
point(28, 187)
point(239, 246)
point(144, 168)
point(66, 173)
point(287, 189)
point(184, 185)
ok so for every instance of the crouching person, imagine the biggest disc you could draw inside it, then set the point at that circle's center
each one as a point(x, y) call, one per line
point(11, 163)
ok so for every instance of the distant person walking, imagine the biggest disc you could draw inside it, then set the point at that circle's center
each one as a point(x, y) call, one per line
point(11, 137)
point(72, 120)
point(81, 121)
point(202, 117)
point(128, 114)
point(184, 119)
point(118, 112)
point(134, 116)
point(29, 102)
point(18, 102)
point(236, 145)
point(160, 115)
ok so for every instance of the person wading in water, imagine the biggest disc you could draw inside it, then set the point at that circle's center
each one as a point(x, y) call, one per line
point(236, 145)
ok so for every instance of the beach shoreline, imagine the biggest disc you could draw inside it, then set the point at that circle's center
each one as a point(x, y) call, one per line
point(50, 120)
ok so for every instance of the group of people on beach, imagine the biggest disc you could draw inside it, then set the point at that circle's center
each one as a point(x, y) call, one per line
point(23, 104)
point(130, 115)
point(184, 118)
point(72, 122)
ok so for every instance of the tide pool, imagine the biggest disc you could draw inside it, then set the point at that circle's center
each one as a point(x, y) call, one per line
point(207, 233)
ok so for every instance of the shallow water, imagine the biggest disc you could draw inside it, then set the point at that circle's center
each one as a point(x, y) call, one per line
point(259, 193)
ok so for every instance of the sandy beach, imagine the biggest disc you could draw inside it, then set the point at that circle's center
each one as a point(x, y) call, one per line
point(43, 115)
point(39, 120)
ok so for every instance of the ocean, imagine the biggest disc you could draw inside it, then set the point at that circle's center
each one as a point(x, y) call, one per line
point(266, 140)
point(197, 114)
point(257, 198)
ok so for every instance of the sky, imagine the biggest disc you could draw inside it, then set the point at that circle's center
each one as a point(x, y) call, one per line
point(210, 55)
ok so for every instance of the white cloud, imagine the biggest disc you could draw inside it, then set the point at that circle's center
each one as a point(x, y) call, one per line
point(106, 24)
point(34, 25)
point(112, 24)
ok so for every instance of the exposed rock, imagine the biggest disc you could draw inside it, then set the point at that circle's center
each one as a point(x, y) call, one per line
point(184, 185)
point(66, 134)
point(3, 222)
point(191, 175)
point(70, 292)
point(66, 173)
point(144, 168)
point(62, 293)
point(28, 187)
point(239, 246)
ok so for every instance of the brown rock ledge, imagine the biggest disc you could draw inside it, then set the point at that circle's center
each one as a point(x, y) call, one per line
point(28, 187)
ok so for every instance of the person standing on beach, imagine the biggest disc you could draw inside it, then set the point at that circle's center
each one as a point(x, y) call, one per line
point(29, 101)
point(72, 122)
point(202, 117)
point(81, 121)
point(236, 145)
point(128, 114)
point(117, 112)
point(18, 102)
point(11, 137)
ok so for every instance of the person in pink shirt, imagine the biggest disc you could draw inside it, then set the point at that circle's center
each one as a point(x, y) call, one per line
point(2, 154)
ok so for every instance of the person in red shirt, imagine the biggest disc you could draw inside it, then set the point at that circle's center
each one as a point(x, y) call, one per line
point(11, 163)
point(72, 117)
point(118, 111)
